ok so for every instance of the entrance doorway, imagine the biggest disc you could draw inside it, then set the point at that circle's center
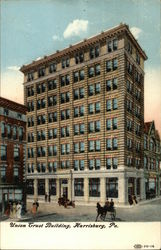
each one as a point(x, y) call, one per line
point(65, 192)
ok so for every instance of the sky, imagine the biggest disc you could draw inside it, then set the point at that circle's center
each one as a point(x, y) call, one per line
point(31, 29)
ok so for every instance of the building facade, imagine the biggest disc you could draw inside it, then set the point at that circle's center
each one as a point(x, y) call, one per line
point(12, 148)
point(85, 120)
point(152, 158)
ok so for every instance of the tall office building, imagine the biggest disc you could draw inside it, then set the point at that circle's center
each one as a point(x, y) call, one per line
point(85, 120)
point(12, 148)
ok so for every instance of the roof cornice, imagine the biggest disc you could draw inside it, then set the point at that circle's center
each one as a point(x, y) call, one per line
point(122, 28)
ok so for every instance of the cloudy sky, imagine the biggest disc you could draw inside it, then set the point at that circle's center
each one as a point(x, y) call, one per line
point(31, 29)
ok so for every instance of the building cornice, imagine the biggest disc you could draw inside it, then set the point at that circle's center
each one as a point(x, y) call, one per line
point(122, 28)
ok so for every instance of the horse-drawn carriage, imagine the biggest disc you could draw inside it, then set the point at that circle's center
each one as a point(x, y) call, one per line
point(102, 212)
point(65, 202)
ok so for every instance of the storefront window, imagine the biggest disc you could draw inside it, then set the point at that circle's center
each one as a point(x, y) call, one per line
point(94, 187)
point(138, 187)
point(79, 187)
point(52, 186)
point(30, 186)
point(41, 187)
point(112, 187)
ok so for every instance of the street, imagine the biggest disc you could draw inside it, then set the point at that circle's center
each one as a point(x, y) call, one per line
point(149, 212)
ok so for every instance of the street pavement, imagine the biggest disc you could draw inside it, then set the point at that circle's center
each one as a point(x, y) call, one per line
point(144, 211)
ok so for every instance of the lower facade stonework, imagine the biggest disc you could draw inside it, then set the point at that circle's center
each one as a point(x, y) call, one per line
point(90, 187)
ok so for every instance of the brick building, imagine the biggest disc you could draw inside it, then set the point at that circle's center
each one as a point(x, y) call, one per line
point(12, 148)
point(85, 120)
point(152, 158)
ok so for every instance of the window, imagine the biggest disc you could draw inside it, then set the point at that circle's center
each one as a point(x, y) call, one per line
point(30, 152)
point(78, 93)
point(30, 106)
point(94, 126)
point(112, 163)
point(52, 150)
point(94, 187)
point(52, 84)
point(79, 57)
point(94, 89)
point(65, 149)
point(41, 72)
point(30, 121)
point(41, 151)
point(52, 117)
point(91, 108)
point(79, 187)
point(3, 152)
point(129, 143)
point(137, 58)
point(111, 123)
point(64, 97)
point(15, 132)
point(111, 65)
point(65, 80)
point(9, 131)
point(94, 145)
point(3, 130)
point(112, 187)
point(65, 164)
point(129, 105)
point(30, 91)
point(52, 186)
point(30, 76)
point(111, 144)
point(129, 87)
point(78, 76)
point(129, 161)
point(97, 107)
point(94, 164)
point(41, 186)
point(52, 100)
point(94, 70)
point(3, 174)
point(52, 68)
point(94, 52)
point(65, 62)
point(129, 125)
point(108, 105)
point(5, 111)
point(16, 153)
point(112, 45)
point(115, 106)
point(15, 174)
point(129, 68)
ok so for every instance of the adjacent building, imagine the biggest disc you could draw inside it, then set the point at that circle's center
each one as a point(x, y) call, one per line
point(85, 120)
point(152, 158)
point(12, 148)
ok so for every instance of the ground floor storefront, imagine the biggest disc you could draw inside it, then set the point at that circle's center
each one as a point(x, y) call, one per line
point(152, 185)
point(88, 187)
point(11, 194)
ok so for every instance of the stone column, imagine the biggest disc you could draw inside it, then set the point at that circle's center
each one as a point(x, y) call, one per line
point(35, 188)
point(122, 189)
point(86, 189)
point(47, 186)
point(58, 188)
point(103, 190)
point(142, 188)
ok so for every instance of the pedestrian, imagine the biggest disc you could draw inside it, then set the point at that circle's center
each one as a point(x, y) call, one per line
point(111, 205)
point(7, 212)
point(11, 210)
point(18, 210)
point(37, 205)
point(14, 210)
point(46, 197)
point(134, 200)
point(130, 199)
point(107, 203)
point(34, 208)
point(49, 197)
